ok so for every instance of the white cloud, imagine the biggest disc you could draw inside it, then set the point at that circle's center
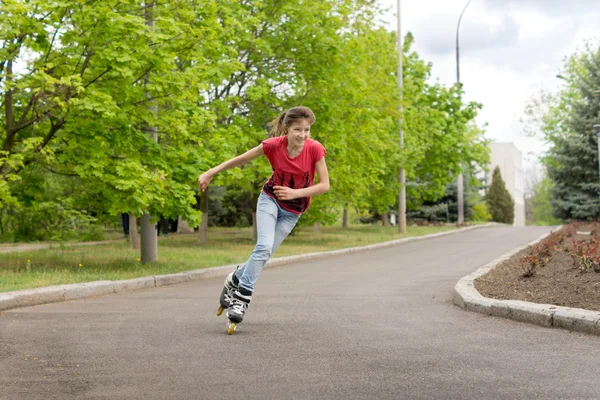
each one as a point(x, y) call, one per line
point(509, 50)
point(559, 8)
point(477, 35)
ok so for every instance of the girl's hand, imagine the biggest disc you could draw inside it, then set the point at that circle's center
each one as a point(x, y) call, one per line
point(204, 180)
point(284, 193)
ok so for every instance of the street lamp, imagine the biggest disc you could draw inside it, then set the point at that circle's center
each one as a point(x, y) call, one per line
point(459, 184)
point(402, 172)
point(457, 52)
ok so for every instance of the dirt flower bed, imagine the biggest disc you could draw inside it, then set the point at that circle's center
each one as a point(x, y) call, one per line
point(563, 269)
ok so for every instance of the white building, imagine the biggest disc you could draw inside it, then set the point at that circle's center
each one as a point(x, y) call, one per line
point(508, 158)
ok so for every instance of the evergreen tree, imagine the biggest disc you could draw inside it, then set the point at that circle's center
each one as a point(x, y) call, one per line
point(445, 208)
point(499, 201)
point(573, 160)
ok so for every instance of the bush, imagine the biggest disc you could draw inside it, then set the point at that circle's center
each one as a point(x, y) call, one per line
point(92, 233)
point(433, 213)
point(481, 213)
point(540, 254)
point(586, 254)
point(49, 221)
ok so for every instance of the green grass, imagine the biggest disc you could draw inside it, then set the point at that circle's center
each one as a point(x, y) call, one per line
point(177, 253)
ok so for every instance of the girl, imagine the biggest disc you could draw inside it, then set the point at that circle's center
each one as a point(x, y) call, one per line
point(295, 158)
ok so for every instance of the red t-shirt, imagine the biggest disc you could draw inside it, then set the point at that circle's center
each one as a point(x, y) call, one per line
point(296, 173)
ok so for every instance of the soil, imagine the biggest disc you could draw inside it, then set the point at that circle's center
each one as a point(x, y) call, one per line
point(560, 282)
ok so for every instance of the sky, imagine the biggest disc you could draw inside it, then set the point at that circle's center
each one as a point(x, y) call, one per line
point(509, 51)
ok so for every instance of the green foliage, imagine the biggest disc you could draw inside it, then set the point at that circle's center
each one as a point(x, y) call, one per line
point(430, 213)
point(53, 207)
point(481, 213)
point(95, 81)
point(541, 204)
point(447, 204)
point(49, 221)
point(229, 206)
point(79, 104)
point(441, 138)
point(566, 123)
point(358, 109)
point(499, 202)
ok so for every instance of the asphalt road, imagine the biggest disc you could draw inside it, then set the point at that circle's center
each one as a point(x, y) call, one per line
point(372, 325)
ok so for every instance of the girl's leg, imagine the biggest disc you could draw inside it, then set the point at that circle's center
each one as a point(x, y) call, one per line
point(266, 220)
point(285, 223)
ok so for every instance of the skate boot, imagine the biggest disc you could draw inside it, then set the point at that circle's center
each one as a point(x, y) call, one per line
point(239, 304)
point(231, 284)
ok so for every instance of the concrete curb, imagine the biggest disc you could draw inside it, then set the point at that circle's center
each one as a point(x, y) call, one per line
point(573, 319)
point(52, 294)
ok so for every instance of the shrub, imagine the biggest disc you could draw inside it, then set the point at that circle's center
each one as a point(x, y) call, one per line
point(481, 213)
point(51, 221)
point(586, 254)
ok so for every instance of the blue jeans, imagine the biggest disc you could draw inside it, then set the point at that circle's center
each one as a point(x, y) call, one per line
point(274, 224)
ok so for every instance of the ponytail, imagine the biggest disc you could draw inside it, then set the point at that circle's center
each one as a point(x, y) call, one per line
point(276, 126)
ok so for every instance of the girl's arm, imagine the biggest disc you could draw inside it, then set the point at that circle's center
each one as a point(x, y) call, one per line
point(204, 179)
point(286, 193)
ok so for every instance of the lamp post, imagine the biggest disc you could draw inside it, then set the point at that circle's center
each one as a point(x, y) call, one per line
point(459, 184)
point(402, 172)
point(457, 47)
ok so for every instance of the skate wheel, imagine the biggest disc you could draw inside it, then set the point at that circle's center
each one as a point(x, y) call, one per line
point(220, 311)
point(231, 328)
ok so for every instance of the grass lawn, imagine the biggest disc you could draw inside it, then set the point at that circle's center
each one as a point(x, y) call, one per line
point(177, 253)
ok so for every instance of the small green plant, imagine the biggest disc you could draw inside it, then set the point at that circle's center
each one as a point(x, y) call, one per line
point(481, 213)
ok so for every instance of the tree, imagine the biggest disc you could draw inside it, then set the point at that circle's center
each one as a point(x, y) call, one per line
point(566, 121)
point(79, 105)
point(215, 72)
point(332, 57)
point(358, 124)
point(445, 208)
point(500, 203)
point(289, 53)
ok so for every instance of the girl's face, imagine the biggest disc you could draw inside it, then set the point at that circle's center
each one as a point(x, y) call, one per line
point(298, 132)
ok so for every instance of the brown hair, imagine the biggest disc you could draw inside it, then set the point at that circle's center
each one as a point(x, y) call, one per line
point(289, 117)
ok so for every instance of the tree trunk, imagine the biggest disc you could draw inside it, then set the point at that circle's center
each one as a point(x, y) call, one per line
point(183, 226)
point(345, 218)
point(134, 239)
point(203, 229)
point(385, 219)
point(254, 226)
point(149, 242)
point(316, 226)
